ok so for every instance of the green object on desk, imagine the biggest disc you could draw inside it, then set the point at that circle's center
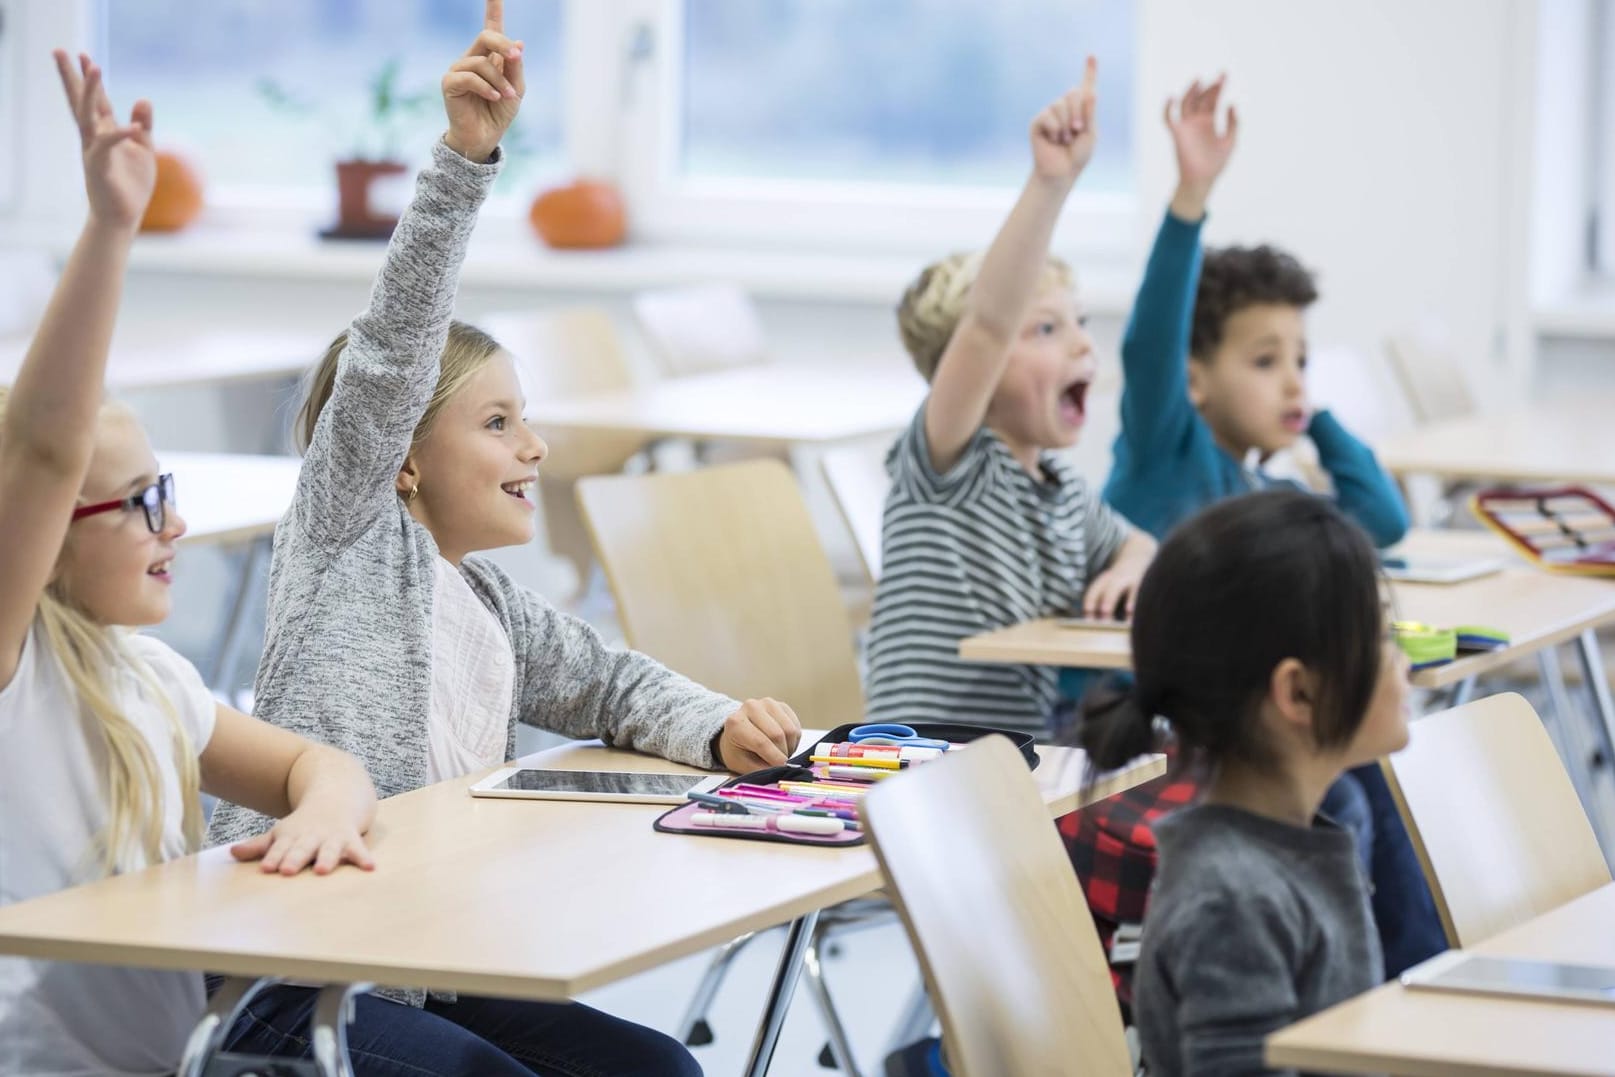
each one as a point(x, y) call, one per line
point(1425, 646)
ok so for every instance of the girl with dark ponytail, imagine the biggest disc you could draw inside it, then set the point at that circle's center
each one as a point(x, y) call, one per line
point(1261, 652)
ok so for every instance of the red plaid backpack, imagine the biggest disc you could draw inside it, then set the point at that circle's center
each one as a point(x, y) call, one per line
point(1113, 851)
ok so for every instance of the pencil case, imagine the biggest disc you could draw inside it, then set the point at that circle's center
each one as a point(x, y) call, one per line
point(682, 819)
point(1427, 646)
point(1559, 528)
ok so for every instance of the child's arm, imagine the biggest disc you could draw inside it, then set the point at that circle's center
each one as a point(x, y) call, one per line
point(1362, 488)
point(1111, 593)
point(1155, 406)
point(389, 369)
point(1063, 139)
point(48, 434)
point(322, 797)
point(575, 684)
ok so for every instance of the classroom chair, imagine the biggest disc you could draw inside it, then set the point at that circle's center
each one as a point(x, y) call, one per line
point(1005, 941)
point(700, 328)
point(858, 481)
point(718, 573)
point(569, 352)
point(1432, 380)
point(1493, 816)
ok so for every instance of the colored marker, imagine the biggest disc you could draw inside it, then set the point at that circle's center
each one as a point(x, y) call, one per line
point(867, 761)
point(785, 824)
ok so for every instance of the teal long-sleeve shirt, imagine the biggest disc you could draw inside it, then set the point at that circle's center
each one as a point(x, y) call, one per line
point(1167, 464)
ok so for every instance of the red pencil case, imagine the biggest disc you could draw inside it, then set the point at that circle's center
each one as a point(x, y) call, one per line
point(1561, 528)
point(680, 820)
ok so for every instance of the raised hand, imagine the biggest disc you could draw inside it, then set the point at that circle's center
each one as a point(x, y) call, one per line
point(483, 89)
point(1202, 150)
point(120, 165)
point(1063, 135)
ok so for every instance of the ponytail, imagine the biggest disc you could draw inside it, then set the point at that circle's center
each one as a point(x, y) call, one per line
point(1115, 726)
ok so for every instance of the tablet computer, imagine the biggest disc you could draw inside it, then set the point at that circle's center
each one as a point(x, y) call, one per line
point(625, 786)
point(1439, 569)
point(1475, 973)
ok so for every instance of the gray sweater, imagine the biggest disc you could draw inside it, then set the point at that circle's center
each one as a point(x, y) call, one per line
point(348, 652)
point(1253, 925)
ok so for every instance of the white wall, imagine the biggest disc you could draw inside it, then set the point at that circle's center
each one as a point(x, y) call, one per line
point(1380, 142)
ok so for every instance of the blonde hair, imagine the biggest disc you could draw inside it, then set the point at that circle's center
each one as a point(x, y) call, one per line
point(90, 656)
point(932, 305)
point(464, 353)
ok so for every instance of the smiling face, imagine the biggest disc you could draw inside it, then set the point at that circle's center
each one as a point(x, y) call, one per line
point(1252, 388)
point(1041, 400)
point(475, 472)
point(112, 566)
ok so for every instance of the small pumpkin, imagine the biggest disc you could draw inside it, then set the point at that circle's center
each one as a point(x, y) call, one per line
point(583, 214)
point(177, 199)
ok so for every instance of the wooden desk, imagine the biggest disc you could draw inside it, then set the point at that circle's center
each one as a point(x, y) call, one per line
point(771, 405)
point(207, 359)
point(1537, 610)
point(1419, 1033)
point(522, 899)
point(1562, 441)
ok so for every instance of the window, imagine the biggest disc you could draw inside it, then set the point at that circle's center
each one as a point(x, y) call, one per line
point(843, 120)
point(1602, 247)
point(266, 94)
point(9, 104)
point(852, 124)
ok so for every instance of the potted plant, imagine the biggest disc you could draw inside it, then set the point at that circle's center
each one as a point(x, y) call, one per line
point(374, 152)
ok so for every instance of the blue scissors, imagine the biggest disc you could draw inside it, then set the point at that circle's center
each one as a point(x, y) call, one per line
point(894, 733)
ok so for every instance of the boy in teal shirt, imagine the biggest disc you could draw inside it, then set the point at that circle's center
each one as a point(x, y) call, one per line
point(1214, 360)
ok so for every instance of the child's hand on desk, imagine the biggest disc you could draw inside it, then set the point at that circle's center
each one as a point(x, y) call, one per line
point(483, 89)
point(1064, 135)
point(307, 837)
point(1202, 152)
point(760, 734)
point(120, 165)
point(1111, 593)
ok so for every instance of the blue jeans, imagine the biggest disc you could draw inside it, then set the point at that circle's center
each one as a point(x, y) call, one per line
point(1404, 910)
point(476, 1037)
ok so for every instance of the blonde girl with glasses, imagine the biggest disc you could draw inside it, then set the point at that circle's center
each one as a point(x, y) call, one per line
point(106, 735)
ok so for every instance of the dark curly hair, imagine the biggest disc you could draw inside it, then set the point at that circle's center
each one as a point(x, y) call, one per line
point(1233, 278)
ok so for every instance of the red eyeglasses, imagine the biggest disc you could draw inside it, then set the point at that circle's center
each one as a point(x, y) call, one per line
point(153, 501)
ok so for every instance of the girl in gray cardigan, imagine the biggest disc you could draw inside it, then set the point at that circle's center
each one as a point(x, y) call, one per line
point(1259, 635)
point(386, 638)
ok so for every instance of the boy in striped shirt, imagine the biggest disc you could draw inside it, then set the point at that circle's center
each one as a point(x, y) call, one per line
point(984, 525)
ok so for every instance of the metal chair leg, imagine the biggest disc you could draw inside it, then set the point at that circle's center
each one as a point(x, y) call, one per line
point(837, 1033)
point(694, 1029)
point(915, 1022)
point(333, 1012)
point(222, 1010)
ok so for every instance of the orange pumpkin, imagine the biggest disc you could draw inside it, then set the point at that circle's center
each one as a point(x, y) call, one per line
point(583, 214)
point(178, 197)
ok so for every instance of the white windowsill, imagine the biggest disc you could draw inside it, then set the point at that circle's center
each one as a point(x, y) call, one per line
point(504, 253)
point(1588, 314)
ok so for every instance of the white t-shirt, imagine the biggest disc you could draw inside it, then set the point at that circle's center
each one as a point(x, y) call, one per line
point(64, 1018)
point(473, 676)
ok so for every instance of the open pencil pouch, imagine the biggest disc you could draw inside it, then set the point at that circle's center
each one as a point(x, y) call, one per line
point(762, 824)
point(1560, 528)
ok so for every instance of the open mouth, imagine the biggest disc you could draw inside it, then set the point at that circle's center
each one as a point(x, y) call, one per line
point(1074, 403)
point(1295, 420)
point(160, 570)
point(522, 490)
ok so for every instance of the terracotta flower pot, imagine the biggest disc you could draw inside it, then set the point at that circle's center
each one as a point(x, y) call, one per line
point(583, 214)
point(355, 217)
point(177, 199)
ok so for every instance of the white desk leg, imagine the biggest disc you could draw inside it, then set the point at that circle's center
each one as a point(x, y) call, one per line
point(840, 1048)
point(222, 1010)
point(1592, 667)
point(333, 1012)
point(1463, 692)
point(1569, 735)
point(235, 618)
point(779, 995)
point(693, 1028)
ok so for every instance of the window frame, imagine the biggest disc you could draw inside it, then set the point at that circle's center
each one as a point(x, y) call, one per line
point(1601, 145)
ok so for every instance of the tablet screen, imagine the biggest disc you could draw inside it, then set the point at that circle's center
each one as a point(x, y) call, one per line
point(601, 782)
point(1512, 976)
